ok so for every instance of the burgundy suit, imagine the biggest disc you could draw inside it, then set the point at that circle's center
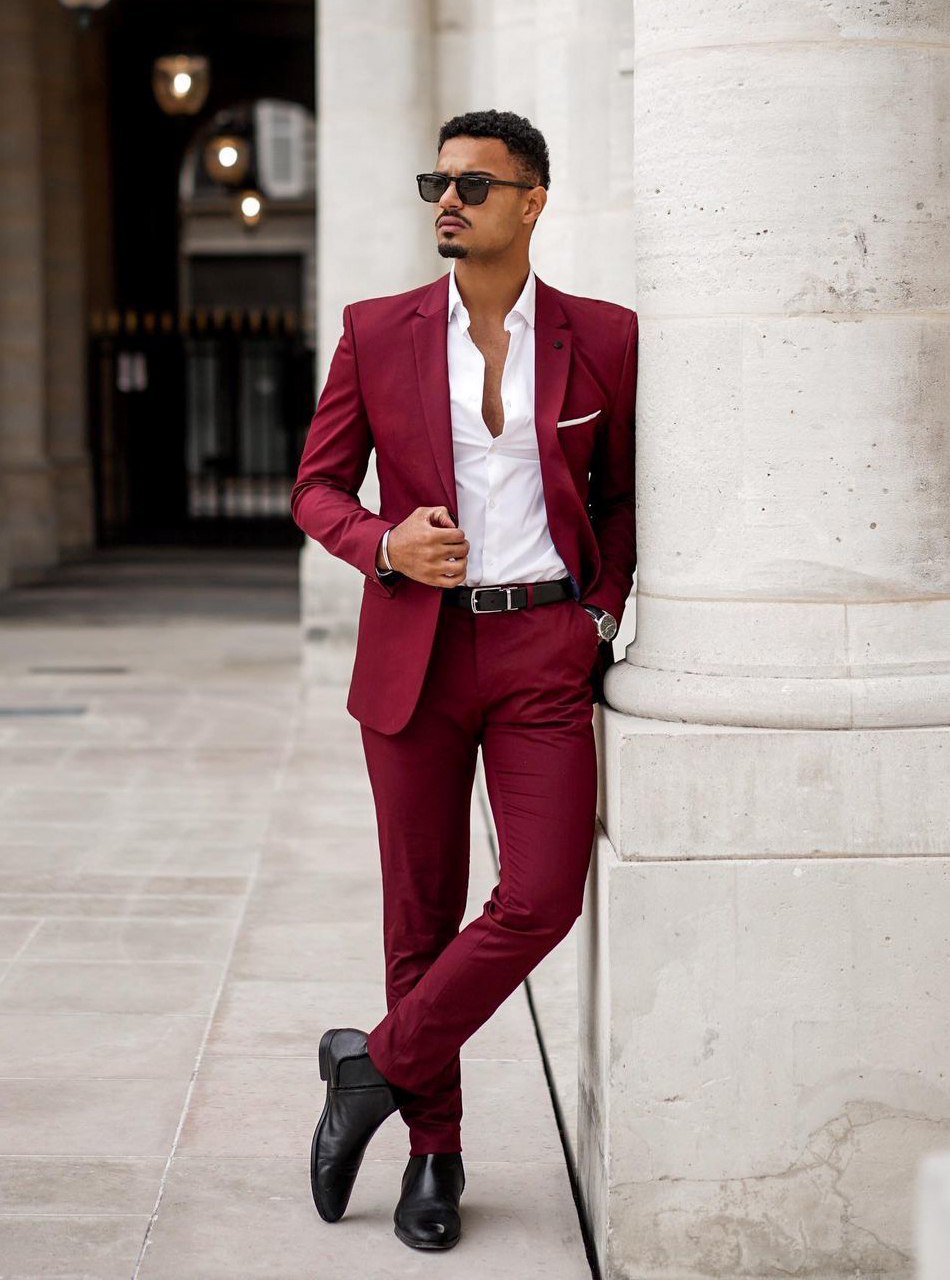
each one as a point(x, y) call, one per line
point(388, 386)
point(432, 683)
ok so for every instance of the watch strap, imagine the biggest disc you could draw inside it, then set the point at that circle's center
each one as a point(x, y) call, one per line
point(596, 613)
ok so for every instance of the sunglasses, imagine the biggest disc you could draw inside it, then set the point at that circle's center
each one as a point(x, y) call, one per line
point(471, 189)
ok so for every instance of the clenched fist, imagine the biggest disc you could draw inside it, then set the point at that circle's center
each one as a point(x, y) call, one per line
point(427, 546)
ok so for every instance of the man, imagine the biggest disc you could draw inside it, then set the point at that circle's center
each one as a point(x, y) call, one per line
point(494, 577)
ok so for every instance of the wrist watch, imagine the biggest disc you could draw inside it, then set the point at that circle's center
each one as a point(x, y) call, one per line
point(606, 622)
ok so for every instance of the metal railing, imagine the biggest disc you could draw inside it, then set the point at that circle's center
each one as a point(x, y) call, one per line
point(197, 421)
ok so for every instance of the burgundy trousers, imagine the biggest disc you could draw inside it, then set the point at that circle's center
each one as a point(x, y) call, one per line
point(518, 684)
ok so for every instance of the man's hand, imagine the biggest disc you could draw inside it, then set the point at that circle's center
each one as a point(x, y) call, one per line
point(428, 547)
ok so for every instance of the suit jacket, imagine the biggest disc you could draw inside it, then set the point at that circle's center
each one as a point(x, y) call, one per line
point(388, 388)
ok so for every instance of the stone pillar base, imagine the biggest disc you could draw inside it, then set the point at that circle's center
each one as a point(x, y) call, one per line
point(764, 967)
point(782, 702)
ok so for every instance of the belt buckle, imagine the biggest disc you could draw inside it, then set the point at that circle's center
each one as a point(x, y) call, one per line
point(501, 609)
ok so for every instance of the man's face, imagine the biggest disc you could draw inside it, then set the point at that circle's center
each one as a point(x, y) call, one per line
point(483, 230)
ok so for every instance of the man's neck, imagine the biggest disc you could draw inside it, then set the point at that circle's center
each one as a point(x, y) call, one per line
point(490, 290)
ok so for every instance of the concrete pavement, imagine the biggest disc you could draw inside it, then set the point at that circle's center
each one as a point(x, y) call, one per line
point(189, 896)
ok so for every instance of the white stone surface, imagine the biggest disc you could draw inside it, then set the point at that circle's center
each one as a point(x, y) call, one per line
point(374, 235)
point(933, 1216)
point(762, 1046)
point(762, 1035)
point(701, 791)
point(769, 1064)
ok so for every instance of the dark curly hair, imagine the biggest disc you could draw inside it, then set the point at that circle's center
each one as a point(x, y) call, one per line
point(519, 135)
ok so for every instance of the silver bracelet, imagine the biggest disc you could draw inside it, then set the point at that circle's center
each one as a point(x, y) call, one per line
point(385, 550)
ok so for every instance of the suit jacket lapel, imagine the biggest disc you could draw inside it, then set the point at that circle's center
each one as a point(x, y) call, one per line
point(429, 340)
point(553, 340)
point(551, 363)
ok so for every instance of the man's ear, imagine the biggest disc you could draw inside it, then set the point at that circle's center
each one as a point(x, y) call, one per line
point(544, 200)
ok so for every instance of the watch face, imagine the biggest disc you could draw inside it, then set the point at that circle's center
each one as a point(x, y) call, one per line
point(608, 626)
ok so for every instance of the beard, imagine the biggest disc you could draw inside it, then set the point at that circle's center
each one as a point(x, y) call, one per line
point(452, 249)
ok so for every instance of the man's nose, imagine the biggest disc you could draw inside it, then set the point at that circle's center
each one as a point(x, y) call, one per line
point(450, 197)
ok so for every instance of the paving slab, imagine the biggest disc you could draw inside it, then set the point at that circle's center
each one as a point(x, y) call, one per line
point(250, 1218)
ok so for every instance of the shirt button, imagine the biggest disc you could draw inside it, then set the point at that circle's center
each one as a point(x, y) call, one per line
point(491, 502)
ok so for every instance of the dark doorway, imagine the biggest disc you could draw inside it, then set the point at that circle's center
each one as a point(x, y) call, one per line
point(201, 356)
point(199, 423)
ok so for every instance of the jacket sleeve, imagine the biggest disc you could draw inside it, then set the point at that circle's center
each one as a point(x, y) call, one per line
point(611, 494)
point(323, 500)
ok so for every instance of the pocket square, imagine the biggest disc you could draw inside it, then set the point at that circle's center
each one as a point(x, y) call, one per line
point(572, 422)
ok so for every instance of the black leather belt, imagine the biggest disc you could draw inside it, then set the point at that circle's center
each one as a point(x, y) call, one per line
point(499, 599)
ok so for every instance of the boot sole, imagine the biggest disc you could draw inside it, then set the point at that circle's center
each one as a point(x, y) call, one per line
point(418, 1244)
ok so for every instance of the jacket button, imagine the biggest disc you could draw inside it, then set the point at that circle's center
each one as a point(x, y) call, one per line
point(558, 345)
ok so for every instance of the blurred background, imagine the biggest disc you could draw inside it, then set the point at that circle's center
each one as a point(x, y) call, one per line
point(158, 253)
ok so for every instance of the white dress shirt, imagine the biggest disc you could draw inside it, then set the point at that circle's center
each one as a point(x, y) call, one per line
point(498, 479)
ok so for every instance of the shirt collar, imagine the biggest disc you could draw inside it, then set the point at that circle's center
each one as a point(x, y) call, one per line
point(524, 306)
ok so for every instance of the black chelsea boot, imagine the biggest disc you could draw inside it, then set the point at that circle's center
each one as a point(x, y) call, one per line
point(427, 1215)
point(359, 1099)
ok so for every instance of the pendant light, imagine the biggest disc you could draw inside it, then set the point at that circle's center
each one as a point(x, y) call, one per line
point(83, 9)
point(180, 83)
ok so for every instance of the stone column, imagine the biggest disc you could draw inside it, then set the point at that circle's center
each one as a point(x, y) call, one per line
point(763, 1039)
point(26, 499)
point(375, 131)
point(793, 240)
point(65, 310)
